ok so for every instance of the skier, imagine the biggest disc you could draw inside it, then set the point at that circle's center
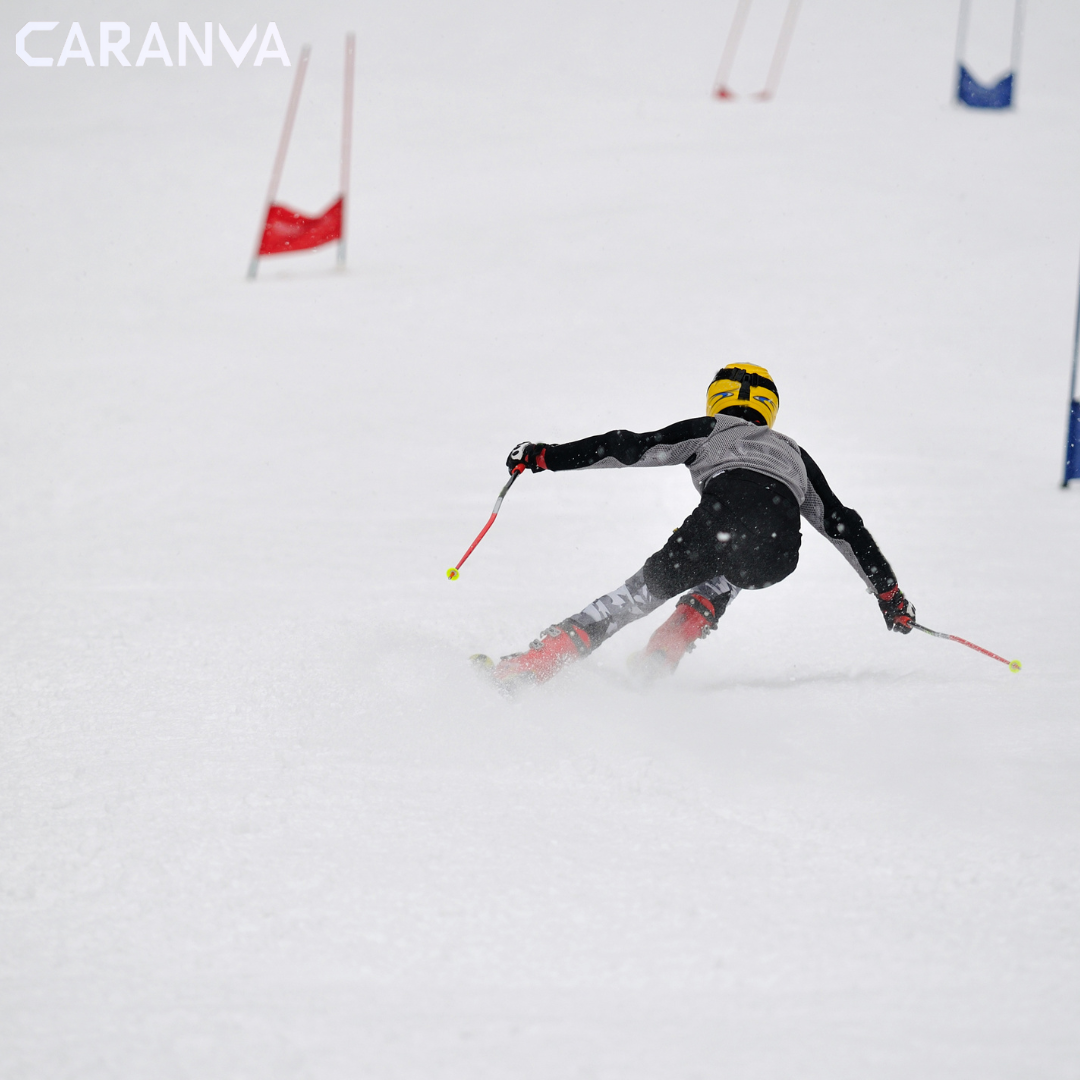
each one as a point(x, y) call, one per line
point(744, 534)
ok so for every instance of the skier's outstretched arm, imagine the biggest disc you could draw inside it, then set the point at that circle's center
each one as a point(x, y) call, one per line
point(675, 444)
point(843, 527)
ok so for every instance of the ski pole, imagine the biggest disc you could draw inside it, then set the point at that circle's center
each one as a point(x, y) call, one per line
point(454, 572)
point(1012, 665)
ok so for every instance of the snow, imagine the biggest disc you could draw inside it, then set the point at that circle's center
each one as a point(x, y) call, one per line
point(257, 817)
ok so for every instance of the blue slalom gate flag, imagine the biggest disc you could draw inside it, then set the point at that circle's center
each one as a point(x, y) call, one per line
point(1072, 446)
point(972, 93)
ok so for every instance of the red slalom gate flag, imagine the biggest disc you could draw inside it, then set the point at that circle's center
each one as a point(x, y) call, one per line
point(287, 230)
point(284, 229)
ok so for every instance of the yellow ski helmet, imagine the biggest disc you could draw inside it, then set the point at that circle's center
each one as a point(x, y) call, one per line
point(743, 390)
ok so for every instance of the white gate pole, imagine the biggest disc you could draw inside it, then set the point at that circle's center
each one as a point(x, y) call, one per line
point(731, 47)
point(961, 46)
point(279, 160)
point(1017, 41)
point(346, 142)
point(783, 43)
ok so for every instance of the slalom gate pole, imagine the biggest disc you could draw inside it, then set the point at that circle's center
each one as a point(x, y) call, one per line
point(961, 48)
point(731, 47)
point(279, 160)
point(1072, 428)
point(1012, 665)
point(783, 43)
point(1017, 40)
point(454, 572)
point(346, 142)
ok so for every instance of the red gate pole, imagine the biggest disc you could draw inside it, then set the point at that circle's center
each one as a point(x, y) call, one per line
point(279, 160)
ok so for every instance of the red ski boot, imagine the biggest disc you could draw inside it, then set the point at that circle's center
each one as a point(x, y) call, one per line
point(694, 617)
point(556, 647)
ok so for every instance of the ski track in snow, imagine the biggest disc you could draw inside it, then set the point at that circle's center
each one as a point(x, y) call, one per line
point(257, 816)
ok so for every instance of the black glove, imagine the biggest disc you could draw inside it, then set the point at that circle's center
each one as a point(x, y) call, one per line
point(529, 454)
point(898, 610)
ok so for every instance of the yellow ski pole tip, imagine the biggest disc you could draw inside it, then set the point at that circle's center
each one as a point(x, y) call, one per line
point(1014, 665)
point(453, 574)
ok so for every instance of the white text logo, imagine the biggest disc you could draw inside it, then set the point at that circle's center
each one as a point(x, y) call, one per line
point(115, 37)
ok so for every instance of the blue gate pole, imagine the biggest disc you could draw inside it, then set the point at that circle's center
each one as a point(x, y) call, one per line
point(1072, 439)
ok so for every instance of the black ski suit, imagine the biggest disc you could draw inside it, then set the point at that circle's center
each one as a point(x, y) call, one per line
point(755, 483)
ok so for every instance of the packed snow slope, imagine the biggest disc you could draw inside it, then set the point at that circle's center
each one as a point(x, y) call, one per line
point(257, 816)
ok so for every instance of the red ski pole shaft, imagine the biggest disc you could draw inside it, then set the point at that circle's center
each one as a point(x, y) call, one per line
point(1012, 665)
point(454, 572)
